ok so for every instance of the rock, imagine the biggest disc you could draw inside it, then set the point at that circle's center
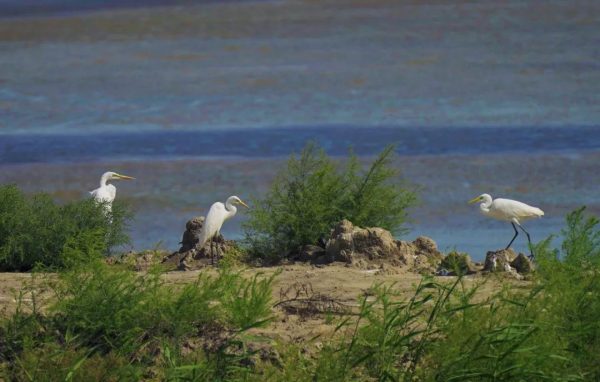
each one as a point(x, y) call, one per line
point(141, 261)
point(310, 253)
point(348, 242)
point(373, 247)
point(190, 256)
point(460, 262)
point(145, 261)
point(497, 261)
point(111, 260)
point(191, 236)
point(427, 245)
point(522, 264)
point(340, 241)
point(185, 264)
point(425, 255)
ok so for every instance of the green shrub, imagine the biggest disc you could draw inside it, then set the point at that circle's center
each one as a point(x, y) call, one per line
point(570, 277)
point(119, 309)
point(102, 313)
point(546, 331)
point(314, 192)
point(36, 231)
point(112, 324)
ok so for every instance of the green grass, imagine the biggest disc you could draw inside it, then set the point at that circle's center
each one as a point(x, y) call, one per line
point(112, 324)
point(314, 192)
point(35, 231)
point(101, 313)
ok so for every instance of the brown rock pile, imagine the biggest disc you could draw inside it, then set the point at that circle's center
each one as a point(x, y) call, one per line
point(366, 248)
point(139, 261)
point(426, 257)
point(191, 236)
point(190, 256)
point(522, 264)
point(375, 247)
point(498, 261)
point(457, 263)
point(348, 242)
point(506, 260)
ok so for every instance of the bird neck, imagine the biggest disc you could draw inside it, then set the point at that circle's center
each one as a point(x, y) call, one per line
point(484, 208)
point(486, 204)
point(104, 180)
point(231, 209)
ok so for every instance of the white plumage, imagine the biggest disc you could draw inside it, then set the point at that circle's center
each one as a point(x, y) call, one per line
point(215, 218)
point(508, 210)
point(106, 193)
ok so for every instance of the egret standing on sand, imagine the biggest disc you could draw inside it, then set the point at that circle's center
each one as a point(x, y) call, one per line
point(508, 210)
point(106, 192)
point(215, 218)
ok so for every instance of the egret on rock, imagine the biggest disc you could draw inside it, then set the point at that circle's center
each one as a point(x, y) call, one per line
point(510, 211)
point(107, 192)
point(215, 218)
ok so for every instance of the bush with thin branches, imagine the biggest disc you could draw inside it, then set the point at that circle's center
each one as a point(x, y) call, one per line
point(314, 192)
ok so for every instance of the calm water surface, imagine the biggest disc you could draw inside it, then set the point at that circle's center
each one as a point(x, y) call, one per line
point(206, 99)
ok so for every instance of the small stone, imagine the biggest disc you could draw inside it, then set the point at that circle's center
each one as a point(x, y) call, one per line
point(522, 264)
point(496, 261)
point(310, 253)
point(458, 261)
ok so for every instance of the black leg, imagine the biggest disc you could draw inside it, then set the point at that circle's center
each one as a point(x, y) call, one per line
point(529, 241)
point(212, 254)
point(218, 249)
point(514, 237)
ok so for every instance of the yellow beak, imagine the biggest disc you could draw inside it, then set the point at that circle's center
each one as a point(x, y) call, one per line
point(474, 200)
point(244, 204)
point(125, 177)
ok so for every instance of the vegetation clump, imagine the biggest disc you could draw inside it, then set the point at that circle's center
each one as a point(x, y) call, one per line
point(314, 192)
point(37, 231)
point(106, 323)
point(110, 323)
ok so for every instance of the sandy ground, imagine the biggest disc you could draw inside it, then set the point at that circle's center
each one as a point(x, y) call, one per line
point(342, 284)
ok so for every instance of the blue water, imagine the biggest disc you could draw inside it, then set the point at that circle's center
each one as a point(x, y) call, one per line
point(267, 142)
point(19, 8)
point(199, 101)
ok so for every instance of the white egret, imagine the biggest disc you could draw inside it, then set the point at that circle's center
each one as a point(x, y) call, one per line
point(215, 218)
point(106, 192)
point(510, 211)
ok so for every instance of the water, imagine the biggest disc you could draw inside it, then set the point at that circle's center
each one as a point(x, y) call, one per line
point(207, 100)
point(275, 142)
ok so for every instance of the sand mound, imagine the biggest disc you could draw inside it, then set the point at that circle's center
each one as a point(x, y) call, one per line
point(375, 248)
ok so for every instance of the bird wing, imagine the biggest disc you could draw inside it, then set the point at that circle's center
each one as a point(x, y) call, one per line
point(515, 209)
point(213, 222)
point(105, 195)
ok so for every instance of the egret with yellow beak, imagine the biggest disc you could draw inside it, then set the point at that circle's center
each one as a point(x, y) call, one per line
point(215, 218)
point(106, 193)
point(510, 211)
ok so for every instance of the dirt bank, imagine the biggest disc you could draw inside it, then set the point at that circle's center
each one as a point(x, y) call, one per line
point(337, 285)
